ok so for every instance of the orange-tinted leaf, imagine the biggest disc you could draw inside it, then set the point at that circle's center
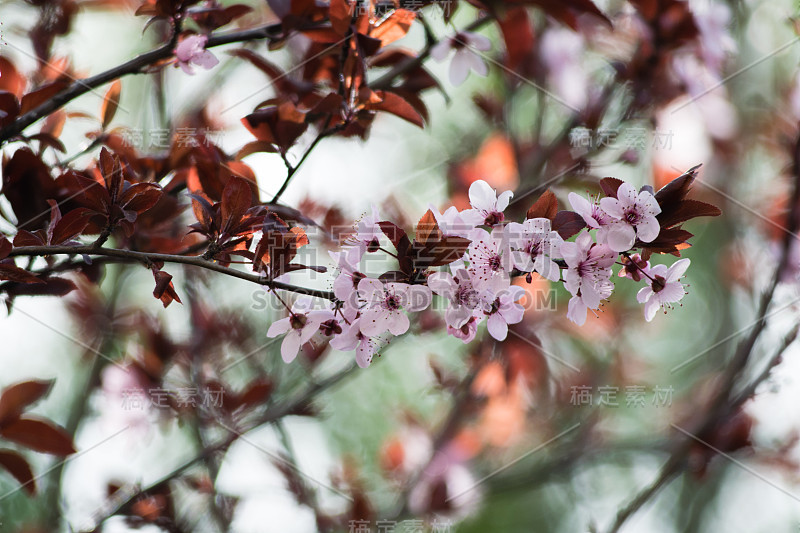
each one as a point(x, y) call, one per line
point(110, 103)
point(17, 397)
point(394, 26)
point(236, 200)
point(340, 14)
point(18, 467)
point(39, 435)
point(254, 148)
point(545, 207)
point(449, 249)
point(11, 80)
point(165, 290)
point(428, 231)
point(396, 105)
point(41, 95)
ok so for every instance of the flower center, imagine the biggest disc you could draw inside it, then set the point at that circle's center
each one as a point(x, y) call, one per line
point(495, 263)
point(392, 303)
point(298, 321)
point(632, 216)
point(494, 218)
point(659, 283)
point(467, 296)
point(373, 245)
point(330, 327)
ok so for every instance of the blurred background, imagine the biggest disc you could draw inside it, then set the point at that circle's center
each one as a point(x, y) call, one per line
point(554, 429)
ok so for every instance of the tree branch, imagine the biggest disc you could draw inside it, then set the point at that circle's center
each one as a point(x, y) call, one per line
point(148, 258)
point(133, 66)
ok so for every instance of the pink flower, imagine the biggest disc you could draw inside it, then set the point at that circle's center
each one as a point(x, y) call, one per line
point(634, 268)
point(466, 332)
point(385, 305)
point(191, 50)
point(345, 286)
point(637, 214)
point(533, 245)
point(462, 297)
point(563, 52)
point(588, 275)
point(352, 338)
point(664, 289)
point(367, 234)
point(465, 58)
point(490, 259)
point(451, 222)
point(504, 311)
point(299, 327)
point(487, 205)
point(592, 214)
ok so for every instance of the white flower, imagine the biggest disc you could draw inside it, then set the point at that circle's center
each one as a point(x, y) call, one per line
point(451, 222)
point(192, 51)
point(489, 259)
point(385, 304)
point(588, 275)
point(637, 216)
point(487, 205)
point(664, 288)
point(299, 327)
point(465, 58)
point(534, 245)
point(352, 338)
point(504, 311)
point(461, 296)
point(592, 214)
point(345, 285)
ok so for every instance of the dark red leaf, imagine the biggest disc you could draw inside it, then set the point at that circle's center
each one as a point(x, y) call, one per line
point(17, 466)
point(140, 197)
point(610, 186)
point(15, 398)
point(517, 34)
point(71, 224)
point(39, 435)
point(393, 232)
point(340, 14)
point(568, 223)
point(14, 273)
point(26, 238)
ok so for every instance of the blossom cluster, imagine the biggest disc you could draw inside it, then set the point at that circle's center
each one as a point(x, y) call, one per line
point(476, 283)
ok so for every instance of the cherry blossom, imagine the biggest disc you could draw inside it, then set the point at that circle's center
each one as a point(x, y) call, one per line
point(504, 311)
point(385, 305)
point(588, 275)
point(487, 205)
point(465, 58)
point(634, 268)
point(637, 216)
point(451, 222)
point(345, 286)
point(299, 327)
point(461, 296)
point(191, 50)
point(490, 259)
point(468, 331)
point(534, 245)
point(352, 338)
point(368, 233)
point(663, 289)
point(592, 214)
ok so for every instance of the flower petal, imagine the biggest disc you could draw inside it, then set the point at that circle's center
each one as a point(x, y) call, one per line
point(497, 327)
point(290, 346)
